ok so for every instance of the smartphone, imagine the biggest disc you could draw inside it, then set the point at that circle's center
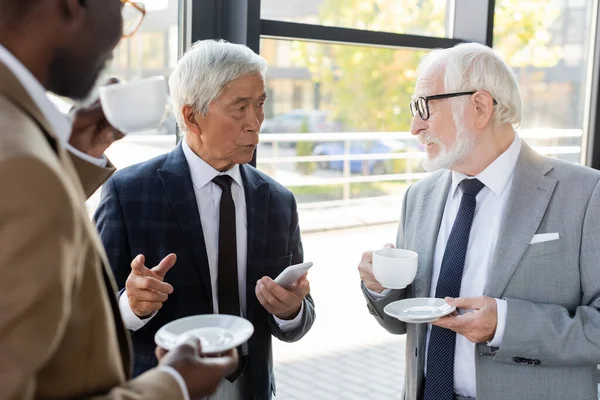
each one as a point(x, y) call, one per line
point(291, 274)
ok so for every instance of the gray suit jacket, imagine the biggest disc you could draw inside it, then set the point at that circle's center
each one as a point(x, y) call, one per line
point(551, 343)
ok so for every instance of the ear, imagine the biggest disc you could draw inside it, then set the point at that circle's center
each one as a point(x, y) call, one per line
point(192, 119)
point(74, 8)
point(73, 12)
point(484, 109)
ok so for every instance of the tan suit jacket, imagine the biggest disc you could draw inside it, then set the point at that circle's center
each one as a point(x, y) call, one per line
point(61, 334)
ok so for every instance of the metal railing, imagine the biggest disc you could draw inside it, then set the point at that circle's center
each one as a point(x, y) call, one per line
point(347, 178)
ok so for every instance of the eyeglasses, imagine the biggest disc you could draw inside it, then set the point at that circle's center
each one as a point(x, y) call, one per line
point(421, 105)
point(133, 13)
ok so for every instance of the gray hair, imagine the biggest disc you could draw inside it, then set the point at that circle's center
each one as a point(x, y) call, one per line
point(473, 66)
point(205, 69)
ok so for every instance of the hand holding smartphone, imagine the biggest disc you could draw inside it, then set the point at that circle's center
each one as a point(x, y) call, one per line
point(291, 274)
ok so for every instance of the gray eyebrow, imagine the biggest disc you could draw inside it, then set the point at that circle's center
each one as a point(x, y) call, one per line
point(239, 100)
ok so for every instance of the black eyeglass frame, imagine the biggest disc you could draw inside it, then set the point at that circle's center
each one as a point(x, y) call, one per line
point(421, 105)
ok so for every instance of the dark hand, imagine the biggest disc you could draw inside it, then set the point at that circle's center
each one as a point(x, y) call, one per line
point(202, 374)
point(92, 134)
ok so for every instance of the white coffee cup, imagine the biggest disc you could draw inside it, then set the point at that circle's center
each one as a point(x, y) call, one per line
point(136, 105)
point(395, 268)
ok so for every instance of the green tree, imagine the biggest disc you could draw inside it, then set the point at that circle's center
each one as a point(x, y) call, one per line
point(522, 33)
point(369, 89)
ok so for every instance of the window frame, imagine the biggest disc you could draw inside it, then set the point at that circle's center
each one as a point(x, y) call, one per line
point(239, 21)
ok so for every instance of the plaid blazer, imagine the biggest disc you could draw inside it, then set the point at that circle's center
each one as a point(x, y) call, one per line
point(151, 209)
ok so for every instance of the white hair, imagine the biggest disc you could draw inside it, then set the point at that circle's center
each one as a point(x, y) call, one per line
point(473, 66)
point(205, 69)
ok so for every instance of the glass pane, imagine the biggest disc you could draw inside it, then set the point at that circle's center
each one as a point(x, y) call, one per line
point(418, 17)
point(547, 42)
point(336, 134)
point(324, 89)
point(150, 52)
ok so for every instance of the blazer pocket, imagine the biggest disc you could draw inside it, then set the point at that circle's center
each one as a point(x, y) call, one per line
point(544, 248)
point(275, 265)
point(279, 262)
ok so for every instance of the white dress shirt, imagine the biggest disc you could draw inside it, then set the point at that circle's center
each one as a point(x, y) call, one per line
point(489, 211)
point(61, 125)
point(208, 197)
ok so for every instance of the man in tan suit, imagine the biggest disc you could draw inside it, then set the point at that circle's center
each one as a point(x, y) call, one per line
point(61, 336)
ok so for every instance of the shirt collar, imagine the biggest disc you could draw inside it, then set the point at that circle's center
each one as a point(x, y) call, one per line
point(59, 122)
point(498, 173)
point(202, 173)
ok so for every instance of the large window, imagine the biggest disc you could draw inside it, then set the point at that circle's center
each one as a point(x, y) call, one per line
point(548, 43)
point(336, 133)
point(151, 51)
point(358, 94)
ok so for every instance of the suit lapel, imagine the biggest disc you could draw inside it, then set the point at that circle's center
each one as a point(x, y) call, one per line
point(111, 286)
point(11, 88)
point(177, 182)
point(107, 277)
point(527, 202)
point(430, 217)
point(256, 191)
point(432, 210)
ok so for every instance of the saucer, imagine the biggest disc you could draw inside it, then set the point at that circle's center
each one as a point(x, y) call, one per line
point(419, 310)
point(217, 332)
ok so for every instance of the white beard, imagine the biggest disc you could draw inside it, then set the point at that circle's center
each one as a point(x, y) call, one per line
point(449, 157)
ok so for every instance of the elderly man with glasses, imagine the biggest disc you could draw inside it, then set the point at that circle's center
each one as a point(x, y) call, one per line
point(507, 236)
point(61, 335)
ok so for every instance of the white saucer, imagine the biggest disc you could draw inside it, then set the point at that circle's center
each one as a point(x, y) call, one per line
point(419, 310)
point(217, 332)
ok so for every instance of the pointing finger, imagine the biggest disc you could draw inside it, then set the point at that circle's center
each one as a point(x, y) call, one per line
point(165, 265)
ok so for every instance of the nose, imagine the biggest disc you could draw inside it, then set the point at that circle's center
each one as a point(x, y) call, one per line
point(417, 125)
point(252, 120)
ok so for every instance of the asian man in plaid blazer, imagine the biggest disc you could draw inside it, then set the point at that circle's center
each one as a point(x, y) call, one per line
point(199, 207)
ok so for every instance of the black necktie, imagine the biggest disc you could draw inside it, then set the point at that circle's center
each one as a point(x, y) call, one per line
point(227, 278)
point(439, 382)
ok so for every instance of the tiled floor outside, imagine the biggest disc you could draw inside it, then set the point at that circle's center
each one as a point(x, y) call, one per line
point(346, 355)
